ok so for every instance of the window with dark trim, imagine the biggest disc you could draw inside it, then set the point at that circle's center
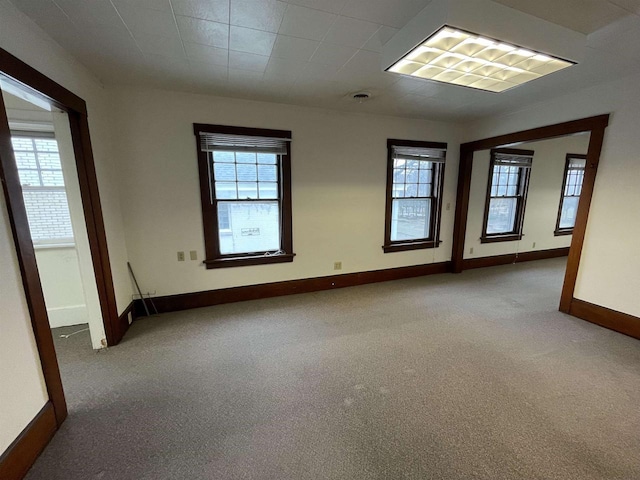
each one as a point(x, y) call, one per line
point(415, 174)
point(507, 188)
point(570, 197)
point(245, 186)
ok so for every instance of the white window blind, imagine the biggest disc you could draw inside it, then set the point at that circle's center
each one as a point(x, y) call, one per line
point(212, 142)
point(416, 153)
point(513, 160)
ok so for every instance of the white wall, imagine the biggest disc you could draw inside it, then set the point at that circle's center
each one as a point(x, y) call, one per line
point(23, 394)
point(545, 186)
point(338, 188)
point(608, 274)
point(24, 39)
point(23, 391)
point(62, 286)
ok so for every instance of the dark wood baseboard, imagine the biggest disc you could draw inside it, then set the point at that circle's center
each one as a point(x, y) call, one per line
point(605, 317)
point(482, 262)
point(23, 452)
point(171, 303)
point(122, 325)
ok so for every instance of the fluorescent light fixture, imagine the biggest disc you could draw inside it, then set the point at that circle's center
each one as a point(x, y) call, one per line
point(462, 58)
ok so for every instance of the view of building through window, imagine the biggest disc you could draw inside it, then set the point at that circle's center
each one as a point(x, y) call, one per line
point(246, 189)
point(43, 189)
point(572, 188)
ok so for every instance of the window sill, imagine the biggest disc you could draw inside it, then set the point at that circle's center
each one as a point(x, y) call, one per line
point(247, 261)
point(404, 247)
point(559, 233)
point(501, 238)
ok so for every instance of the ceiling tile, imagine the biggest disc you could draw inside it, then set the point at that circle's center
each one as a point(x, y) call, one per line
point(351, 32)
point(382, 36)
point(162, 5)
point(293, 48)
point(331, 6)
point(394, 14)
point(247, 61)
point(207, 73)
point(160, 45)
point(285, 71)
point(91, 12)
point(207, 54)
point(213, 10)
point(366, 61)
point(195, 30)
point(585, 16)
point(632, 6)
point(244, 77)
point(306, 23)
point(154, 22)
point(318, 72)
point(259, 14)
point(251, 41)
point(329, 54)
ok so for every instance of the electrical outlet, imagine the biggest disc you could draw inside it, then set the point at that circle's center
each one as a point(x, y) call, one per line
point(534, 245)
point(471, 250)
point(337, 265)
point(181, 256)
point(448, 206)
point(193, 255)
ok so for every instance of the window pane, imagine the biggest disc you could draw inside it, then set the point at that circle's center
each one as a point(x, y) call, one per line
point(223, 216)
point(425, 176)
point(246, 172)
point(52, 178)
point(253, 227)
point(569, 210)
point(411, 190)
point(398, 175)
point(245, 157)
point(247, 190)
point(226, 190)
point(224, 172)
point(267, 173)
point(502, 190)
point(412, 175)
point(502, 215)
point(49, 161)
point(46, 145)
point(269, 158)
point(423, 190)
point(25, 159)
point(398, 190)
point(29, 178)
point(512, 191)
point(224, 157)
point(268, 190)
point(410, 219)
point(48, 215)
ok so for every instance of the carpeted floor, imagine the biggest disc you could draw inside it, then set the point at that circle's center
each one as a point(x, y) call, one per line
point(471, 376)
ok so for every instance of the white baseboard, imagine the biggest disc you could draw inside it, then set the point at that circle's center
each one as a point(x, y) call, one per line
point(66, 316)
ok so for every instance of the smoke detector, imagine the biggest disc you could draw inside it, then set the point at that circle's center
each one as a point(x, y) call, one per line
point(361, 97)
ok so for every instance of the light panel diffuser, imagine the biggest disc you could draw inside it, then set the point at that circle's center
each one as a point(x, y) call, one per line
point(462, 58)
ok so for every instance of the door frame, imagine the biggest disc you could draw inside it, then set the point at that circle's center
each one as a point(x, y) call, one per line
point(596, 127)
point(22, 75)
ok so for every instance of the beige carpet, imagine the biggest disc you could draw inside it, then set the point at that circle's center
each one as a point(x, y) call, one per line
point(472, 376)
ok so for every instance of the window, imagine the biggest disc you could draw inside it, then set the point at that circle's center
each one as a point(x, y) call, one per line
point(245, 183)
point(415, 173)
point(570, 196)
point(506, 194)
point(43, 189)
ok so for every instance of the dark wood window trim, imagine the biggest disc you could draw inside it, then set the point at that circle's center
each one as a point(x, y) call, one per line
point(436, 213)
point(214, 259)
point(523, 189)
point(565, 231)
point(596, 127)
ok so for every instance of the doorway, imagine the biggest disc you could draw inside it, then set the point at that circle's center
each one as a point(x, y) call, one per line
point(69, 116)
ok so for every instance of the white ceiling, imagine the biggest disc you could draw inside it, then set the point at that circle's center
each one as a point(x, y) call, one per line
point(313, 52)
